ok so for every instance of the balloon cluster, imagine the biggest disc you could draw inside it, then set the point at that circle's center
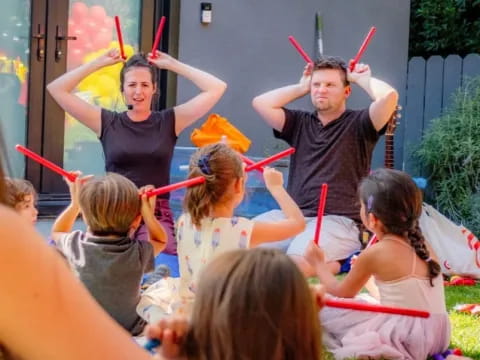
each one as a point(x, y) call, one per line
point(103, 86)
point(93, 29)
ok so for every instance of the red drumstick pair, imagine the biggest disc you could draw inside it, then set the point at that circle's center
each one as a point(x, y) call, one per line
point(161, 190)
point(201, 179)
point(355, 60)
point(158, 36)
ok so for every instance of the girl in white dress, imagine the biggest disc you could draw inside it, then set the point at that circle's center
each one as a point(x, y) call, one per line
point(208, 227)
point(406, 274)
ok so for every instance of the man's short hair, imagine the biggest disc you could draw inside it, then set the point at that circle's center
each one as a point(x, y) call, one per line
point(332, 62)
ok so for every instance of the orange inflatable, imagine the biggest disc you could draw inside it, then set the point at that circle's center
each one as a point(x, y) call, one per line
point(214, 128)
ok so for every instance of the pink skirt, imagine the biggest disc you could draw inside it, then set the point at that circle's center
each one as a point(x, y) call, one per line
point(357, 334)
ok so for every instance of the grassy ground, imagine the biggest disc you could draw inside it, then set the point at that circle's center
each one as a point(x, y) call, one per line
point(465, 328)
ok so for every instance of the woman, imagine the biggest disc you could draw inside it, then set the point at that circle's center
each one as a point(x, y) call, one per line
point(139, 143)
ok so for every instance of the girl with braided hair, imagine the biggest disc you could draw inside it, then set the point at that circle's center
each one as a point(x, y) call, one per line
point(405, 271)
point(208, 226)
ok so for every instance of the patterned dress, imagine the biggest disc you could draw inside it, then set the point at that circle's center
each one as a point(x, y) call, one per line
point(196, 247)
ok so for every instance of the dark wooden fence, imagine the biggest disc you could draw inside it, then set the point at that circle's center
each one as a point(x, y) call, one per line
point(430, 86)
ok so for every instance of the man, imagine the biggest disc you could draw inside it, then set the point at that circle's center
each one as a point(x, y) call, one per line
point(333, 144)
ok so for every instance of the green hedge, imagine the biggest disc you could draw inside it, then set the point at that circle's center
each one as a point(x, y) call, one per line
point(450, 153)
point(443, 27)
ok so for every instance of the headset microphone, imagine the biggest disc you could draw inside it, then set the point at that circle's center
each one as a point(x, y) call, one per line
point(130, 107)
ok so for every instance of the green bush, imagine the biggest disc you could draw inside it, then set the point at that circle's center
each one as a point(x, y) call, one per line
point(443, 27)
point(450, 154)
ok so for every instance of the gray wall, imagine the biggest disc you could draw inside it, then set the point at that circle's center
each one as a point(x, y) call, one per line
point(247, 46)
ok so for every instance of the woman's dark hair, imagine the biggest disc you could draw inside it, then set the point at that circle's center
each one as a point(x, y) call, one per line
point(394, 198)
point(136, 61)
point(221, 166)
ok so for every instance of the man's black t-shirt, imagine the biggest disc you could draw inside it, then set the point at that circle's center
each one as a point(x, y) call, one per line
point(338, 154)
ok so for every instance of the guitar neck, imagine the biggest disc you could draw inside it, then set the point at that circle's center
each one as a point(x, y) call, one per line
point(389, 152)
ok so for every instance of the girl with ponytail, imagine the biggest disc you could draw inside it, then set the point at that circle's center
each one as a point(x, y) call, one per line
point(208, 226)
point(405, 271)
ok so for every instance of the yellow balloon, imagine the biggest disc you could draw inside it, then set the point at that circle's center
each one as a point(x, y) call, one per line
point(92, 56)
point(106, 86)
point(88, 82)
point(129, 50)
point(113, 71)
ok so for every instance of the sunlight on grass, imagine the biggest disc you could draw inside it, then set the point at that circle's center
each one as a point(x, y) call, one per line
point(465, 328)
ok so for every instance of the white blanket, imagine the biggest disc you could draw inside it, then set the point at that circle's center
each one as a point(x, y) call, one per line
point(456, 247)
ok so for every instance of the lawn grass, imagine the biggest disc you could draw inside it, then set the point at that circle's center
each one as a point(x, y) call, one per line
point(465, 328)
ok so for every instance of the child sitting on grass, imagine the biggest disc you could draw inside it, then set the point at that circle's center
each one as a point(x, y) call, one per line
point(106, 258)
point(406, 273)
point(208, 226)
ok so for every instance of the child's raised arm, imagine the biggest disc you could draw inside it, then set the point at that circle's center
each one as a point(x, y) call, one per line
point(157, 235)
point(64, 222)
point(352, 283)
point(283, 229)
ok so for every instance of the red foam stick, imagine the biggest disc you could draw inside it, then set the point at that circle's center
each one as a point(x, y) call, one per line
point(165, 189)
point(321, 209)
point(120, 37)
point(270, 159)
point(362, 49)
point(158, 35)
point(248, 161)
point(300, 49)
point(45, 162)
point(355, 305)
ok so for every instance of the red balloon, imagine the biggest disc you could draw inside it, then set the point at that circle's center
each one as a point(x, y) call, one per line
point(102, 40)
point(108, 23)
point(105, 30)
point(79, 11)
point(88, 47)
point(90, 27)
point(78, 31)
point(80, 34)
point(98, 14)
point(71, 27)
point(74, 57)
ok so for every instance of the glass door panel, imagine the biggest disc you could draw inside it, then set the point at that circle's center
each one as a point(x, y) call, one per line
point(92, 23)
point(14, 62)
